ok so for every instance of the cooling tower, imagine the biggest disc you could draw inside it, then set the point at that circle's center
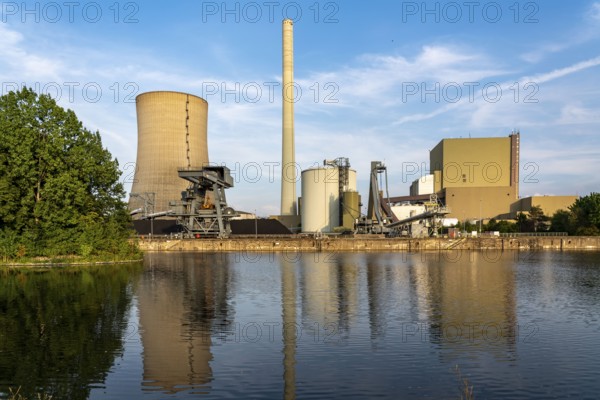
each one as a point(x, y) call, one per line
point(288, 164)
point(171, 134)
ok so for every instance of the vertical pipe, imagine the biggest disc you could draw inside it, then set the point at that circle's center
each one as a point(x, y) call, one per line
point(515, 145)
point(288, 165)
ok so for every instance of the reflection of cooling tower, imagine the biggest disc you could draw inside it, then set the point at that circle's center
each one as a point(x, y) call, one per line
point(174, 360)
point(171, 134)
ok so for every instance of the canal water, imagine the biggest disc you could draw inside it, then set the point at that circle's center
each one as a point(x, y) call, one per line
point(512, 325)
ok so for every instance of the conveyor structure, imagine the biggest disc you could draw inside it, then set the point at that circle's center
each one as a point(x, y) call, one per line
point(384, 220)
point(203, 209)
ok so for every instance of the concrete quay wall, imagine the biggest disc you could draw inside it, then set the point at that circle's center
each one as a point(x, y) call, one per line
point(357, 244)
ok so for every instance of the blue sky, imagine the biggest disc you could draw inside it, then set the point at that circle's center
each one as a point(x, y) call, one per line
point(384, 81)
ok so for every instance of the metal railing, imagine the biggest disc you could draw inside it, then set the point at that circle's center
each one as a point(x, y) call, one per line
point(537, 234)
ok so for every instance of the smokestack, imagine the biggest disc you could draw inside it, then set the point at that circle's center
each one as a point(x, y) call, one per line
point(288, 164)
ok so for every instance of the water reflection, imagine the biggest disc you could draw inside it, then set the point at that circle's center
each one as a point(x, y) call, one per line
point(470, 301)
point(390, 294)
point(289, 333)
point(306, 325)
point(463, 304)
point(61, 329)
point(182, 301)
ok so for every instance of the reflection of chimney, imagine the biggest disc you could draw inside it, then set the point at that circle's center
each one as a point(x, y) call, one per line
point(288, 165)
point(288, 302)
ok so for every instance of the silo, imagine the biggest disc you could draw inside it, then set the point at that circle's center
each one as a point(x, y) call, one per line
point(351, 211)
point(172, 130)
point(321, 198)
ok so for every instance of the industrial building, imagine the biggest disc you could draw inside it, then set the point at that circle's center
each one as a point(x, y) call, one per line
point(477, 177)
point(548, 204)
point(172, 133)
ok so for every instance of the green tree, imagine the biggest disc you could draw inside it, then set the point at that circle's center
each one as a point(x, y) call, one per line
point(562, 221)
point(501, 226)
point(57, 182)
point(469, 227)
point(537, 218)
point(523, 222)
point(586, 214)
point(9, 244)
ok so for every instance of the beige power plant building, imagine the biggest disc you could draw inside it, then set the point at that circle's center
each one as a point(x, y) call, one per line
point(172, 133)
point(477, 177)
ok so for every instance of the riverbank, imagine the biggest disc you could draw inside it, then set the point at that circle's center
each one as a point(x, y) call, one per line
point(52, 264)
point(366, 244)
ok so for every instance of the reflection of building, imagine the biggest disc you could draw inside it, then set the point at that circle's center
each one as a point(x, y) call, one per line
point(470, 299)
point(329, 290)
point(390, 291)
point(319, 289)
point(348, 289)
point(179, 300)
point(288, 312)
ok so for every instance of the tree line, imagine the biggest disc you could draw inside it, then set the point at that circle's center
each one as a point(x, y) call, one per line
point(60, 193)
point(582, 218)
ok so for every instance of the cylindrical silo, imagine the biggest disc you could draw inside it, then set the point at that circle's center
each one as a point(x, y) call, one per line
point(321, 198)
point(172, 130)
point(351, 211)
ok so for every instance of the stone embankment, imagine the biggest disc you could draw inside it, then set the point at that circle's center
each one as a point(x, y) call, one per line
point(365, 244)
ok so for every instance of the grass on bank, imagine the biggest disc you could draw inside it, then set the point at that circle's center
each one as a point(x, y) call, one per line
point(129, 252)
point(466, 390)
point(68, 260)
point(16, 395)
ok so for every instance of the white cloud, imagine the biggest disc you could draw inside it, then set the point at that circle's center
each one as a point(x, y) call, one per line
point(594, 12)
point(10, 38)
point(22, 62)
point(585, 31)
point(542, 51)
point(577, 114)
point(561, 72)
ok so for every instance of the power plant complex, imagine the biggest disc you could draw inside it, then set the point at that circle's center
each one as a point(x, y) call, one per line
point(174, 184)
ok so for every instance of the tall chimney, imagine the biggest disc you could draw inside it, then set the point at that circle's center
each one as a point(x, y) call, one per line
point(288, 164)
